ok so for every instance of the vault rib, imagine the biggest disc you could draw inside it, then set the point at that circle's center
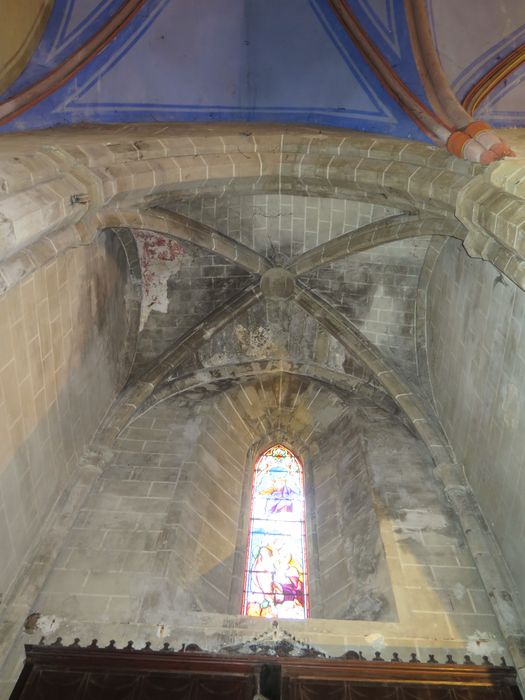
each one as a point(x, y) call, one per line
point(182, 228)
point(417, 410)
point(135, 394)
point(393, 228)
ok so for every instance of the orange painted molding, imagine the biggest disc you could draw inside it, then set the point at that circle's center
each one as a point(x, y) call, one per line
point(472, 140)
point(485, 135)
point(461, 145)
point(456, 143)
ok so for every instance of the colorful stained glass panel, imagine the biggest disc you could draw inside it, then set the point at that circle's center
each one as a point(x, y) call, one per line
point(275, 582)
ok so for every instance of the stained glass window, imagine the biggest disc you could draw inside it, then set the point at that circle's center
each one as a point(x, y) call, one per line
point(275, 581)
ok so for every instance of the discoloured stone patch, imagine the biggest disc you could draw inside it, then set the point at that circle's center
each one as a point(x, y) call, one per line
point(160, 258)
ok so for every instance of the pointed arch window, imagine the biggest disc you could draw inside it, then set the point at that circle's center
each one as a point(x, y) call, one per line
point(275, 577)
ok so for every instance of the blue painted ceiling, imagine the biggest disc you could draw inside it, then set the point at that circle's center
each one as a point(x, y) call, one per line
point(206, 60)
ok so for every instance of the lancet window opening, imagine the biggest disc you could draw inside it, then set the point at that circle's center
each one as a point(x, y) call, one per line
point(276, 575)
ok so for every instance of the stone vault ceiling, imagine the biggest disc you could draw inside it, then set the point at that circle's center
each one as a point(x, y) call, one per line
point(214, 266)
point(183, 283)
point(374, 289)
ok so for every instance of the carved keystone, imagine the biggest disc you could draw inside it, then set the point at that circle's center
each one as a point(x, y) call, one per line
point(277, 283)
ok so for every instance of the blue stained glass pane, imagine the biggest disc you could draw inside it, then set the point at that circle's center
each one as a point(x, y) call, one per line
point(275, 583)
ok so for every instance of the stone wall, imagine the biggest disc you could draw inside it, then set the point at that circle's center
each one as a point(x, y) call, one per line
point(63, 358)
point(157, 549)
point(354, 580)
point(477, 366)
point(441, 588)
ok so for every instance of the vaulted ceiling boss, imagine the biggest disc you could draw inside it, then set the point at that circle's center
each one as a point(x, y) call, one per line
point(262, 366)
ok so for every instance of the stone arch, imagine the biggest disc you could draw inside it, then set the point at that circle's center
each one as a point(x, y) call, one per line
point(172, 225)
point(216, 379)
point(394, 228)
point(76, 178)
point(233, 426)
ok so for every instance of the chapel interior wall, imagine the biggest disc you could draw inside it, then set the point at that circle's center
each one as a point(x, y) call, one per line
point(151, 554)
point(120, 572)
point(476, 358)
point(63, 357)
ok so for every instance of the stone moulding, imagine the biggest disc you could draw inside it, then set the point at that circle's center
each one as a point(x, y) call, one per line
point(228, 375)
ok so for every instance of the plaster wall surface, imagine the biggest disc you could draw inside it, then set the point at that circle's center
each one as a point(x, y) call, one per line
point(63, 357)
point(476, 359)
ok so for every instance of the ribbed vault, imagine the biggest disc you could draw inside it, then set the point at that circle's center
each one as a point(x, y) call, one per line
point(260, 319)
point(238, 323)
